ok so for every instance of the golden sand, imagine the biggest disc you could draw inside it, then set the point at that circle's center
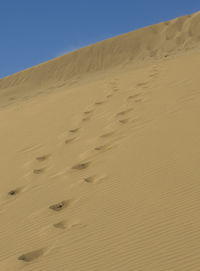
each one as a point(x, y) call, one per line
point(100, 156)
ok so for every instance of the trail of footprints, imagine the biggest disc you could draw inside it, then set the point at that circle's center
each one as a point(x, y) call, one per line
point(120, 116)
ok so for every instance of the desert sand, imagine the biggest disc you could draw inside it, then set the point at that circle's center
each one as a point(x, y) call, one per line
point(100, 156)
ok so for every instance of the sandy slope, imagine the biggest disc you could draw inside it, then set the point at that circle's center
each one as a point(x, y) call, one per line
point(99, 165)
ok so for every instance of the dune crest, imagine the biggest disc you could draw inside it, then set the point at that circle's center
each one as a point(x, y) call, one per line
point(153, 41)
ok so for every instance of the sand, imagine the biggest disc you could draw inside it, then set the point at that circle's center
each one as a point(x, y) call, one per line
point(99, 164)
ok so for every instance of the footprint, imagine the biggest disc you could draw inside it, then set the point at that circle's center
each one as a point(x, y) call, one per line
point(138, 100)
point(94, 179)
point(133, 96)
point(61, 225)
point(115, 89)
point(140, 84)
point(90, 179)
point(60, 206)
point(152, 74)
point(130, 97)
point(38, 171)
point(107, 134)
point(103, 147)
point(86, 119)
point(31, 256)
point(12, 98)
point(88, 112)
point(81, 166)
point(14, 192)
point(67, 141)
point(99, 103)
point(74, 130)
point(122, 113)
point(109, 95)
point(64, 225)
point(99, 148)
point(42, 158)
point(124, 121)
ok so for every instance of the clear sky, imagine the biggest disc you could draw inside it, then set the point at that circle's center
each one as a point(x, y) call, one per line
point(34, 31)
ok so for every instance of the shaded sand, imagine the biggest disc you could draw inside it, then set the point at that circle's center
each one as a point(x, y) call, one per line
point(120, 191)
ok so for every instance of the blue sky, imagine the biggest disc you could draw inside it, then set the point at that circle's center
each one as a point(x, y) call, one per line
point(34, 31)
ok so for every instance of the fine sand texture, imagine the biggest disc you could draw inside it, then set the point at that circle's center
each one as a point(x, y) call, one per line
point(100, 156)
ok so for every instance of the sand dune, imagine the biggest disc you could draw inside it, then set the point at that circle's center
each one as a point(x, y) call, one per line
point(99, 165)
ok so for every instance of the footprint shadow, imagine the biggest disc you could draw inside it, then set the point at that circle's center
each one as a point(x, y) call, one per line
point(81, 166)
point(31, 256)
point(39, 170)
point(85, 119)
point(109, 96)
point(106, 135)
point(74, 130)
point(122, 113)
point(133, 96)
point(87, 112)
point(100, 102)
point(124, 121)
point(61, 225)
point(67, 141)
point(92, 179)
point(102, 148)
point(141, 84)
point(43, 157)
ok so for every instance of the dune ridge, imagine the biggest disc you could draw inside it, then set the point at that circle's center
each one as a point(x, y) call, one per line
point(153, 41)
